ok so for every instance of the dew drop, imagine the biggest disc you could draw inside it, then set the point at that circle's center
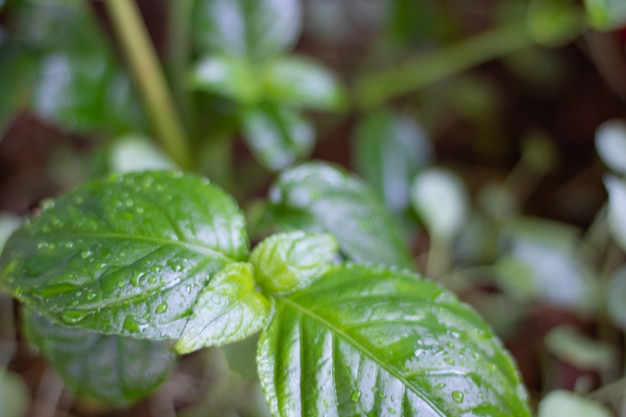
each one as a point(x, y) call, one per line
point(152, 280)
point(448, 360)
point(139, 210)
point(91, 295)
point(73, 316)
point(68, 245)
point(120, 284)
point(162, 308)
point(85, 254)
point(457, 396)
point(440, 386)
point(381, 395)
point(42, 245)
point(391, 410)
point(188, 289)
point(355, 396)
point(131, 324)
point(135, 278)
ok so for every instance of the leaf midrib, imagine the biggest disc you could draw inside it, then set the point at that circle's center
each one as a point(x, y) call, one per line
point(363, 349)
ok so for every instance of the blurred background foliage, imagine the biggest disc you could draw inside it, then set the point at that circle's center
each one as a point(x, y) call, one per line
point(489, 138)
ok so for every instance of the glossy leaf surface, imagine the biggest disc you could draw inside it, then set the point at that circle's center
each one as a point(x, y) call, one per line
point(389, 150)
point(126, 255)
point(285, 262)
point(228, 310)
point(80, 84)
point(369, 341)
point(277, 135)
point(302, 82)
point(606, 14)
point(111, 368)
point(256, 29)
point(322, 198)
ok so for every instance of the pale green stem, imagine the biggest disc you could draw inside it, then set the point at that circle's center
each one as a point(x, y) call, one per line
point(148, 75)
point(375, 89)
point(438, 261)
point(178, 52)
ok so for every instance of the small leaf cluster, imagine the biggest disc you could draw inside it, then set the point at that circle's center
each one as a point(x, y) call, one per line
point(136, 269)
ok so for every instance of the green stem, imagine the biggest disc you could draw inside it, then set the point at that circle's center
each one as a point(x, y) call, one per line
point(178, 55)
point(148, 75)
point(375, 89)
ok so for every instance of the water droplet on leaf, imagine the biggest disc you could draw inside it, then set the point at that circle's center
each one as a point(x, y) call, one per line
point(457, 396)
point(73, 316)
point(162, 308)
point(355, 396)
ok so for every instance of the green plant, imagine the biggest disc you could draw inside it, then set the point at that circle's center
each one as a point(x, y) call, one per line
point(127, 272)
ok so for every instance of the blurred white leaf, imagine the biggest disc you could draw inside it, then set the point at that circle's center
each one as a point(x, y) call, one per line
point(571, 346)
point(8, 224)
point(14, 395)
point(562, 403)
point(616, 216)
point(611, 145)
point(558, 276)
point(440, 198)
point(137, 153)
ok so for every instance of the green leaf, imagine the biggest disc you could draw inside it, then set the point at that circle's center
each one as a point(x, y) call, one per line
point(561, 403)
point(79, 83)
point(9, 222)
point(14, 395)
point(616, 189)
point(277, 135)
point(302, 82)
point(376, 342)
point(606, 14)
point(111, 368)
point(286, 262)
point(611, 145)
point(255, 29)
point(322, 198)
point(388, 152)
point(228, 310)
point(129, 255)
point(17, 69)
point(229, 76)
point(440, 198)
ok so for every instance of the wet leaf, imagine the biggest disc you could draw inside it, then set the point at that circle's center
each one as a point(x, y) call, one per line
point(111, 368)
point(302, 82)
point(322, 198)
point(440, 198)
point(606, 14)
point(285, 262)
point(616, 189)
point(255, 29)
point(14, 395)
point(368, 341)
point(611, 145)
point(561, 403)
point(277, 135)
point(228, 310)
point(388, 152)
point(129, 255)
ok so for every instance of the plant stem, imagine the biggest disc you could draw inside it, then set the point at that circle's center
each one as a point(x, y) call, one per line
point(178, 53)
point(375, 89)
point(149, 77)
